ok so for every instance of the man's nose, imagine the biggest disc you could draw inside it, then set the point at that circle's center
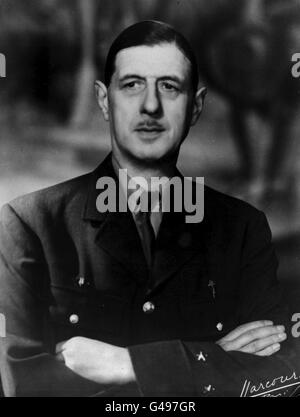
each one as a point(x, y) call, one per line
point(151, 102)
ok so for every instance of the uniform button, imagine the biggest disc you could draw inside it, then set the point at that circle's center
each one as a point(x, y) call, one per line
point(148, 307)
point(74, 319)
point(219, 326)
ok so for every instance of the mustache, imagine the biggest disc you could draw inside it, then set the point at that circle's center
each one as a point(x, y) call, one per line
point(149, 124)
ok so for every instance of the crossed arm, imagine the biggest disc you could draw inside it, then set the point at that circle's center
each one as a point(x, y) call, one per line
point(107, 364)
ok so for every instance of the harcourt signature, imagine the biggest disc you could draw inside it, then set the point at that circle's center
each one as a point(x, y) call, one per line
point(272, 388)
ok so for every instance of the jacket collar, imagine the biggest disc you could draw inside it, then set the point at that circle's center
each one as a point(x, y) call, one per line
point(105, 169)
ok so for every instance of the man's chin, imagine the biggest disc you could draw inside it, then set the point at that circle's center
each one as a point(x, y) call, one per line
point(151, 155)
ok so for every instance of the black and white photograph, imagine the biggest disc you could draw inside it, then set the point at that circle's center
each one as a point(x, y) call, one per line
point(150, 200)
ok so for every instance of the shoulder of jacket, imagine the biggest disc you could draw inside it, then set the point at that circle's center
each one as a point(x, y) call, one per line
point(50, 200)
point(235, 207)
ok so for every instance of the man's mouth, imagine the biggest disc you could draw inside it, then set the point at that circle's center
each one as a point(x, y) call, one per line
point(149, 130)
point(149, 133)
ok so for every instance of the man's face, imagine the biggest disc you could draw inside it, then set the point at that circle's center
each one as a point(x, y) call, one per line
point(150, 101)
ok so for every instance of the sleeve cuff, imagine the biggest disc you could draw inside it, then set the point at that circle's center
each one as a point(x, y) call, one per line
point(162, 369)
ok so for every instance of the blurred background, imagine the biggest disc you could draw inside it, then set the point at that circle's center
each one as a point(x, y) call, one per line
point(245, 143)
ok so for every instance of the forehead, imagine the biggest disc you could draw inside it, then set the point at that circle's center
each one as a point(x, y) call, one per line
point(152, 61)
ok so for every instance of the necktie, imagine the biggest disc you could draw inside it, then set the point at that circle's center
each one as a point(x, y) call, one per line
point(147, 234)
point(143, 221)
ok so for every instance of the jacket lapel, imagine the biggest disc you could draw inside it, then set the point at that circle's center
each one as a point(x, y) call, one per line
point(119, 237)
point(176, 244)
point(116, 232)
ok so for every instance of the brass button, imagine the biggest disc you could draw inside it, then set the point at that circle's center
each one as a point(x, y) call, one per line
point(74, 319)
point(148, 307)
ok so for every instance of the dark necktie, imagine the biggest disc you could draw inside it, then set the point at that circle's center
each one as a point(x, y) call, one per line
point(143, 222)
point(147, 235)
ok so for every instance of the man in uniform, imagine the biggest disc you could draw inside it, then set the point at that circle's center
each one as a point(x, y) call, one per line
point(140, 303)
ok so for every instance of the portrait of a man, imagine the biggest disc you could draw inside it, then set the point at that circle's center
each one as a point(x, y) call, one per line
point(140, 302)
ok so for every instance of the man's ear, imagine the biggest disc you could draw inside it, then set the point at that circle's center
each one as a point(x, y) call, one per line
point(102, 98)
point(198, 104)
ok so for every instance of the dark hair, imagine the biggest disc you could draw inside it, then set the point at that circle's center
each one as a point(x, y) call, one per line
point(150, 33)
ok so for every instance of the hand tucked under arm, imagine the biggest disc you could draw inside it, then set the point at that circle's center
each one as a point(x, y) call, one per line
point(260, 338)
point(96, 361)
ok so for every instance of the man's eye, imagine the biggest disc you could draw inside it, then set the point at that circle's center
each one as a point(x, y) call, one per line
point(133, 85)
point(169, 87)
